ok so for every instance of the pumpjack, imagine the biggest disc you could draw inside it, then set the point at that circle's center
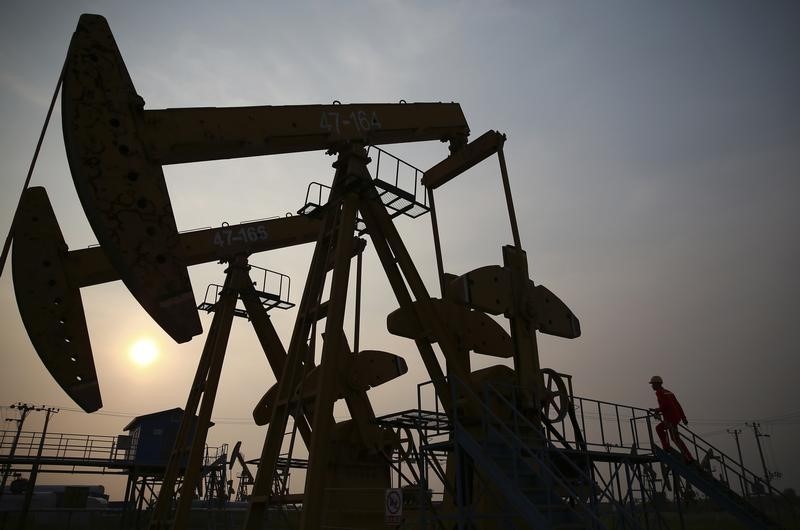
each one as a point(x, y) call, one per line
point(116, 149)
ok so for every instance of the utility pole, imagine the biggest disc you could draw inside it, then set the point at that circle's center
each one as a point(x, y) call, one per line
point(758, 434)
point(24, 409)
point(736, 433)
point(35, 468)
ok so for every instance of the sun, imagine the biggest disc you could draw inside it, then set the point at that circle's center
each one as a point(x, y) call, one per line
point(143, 352)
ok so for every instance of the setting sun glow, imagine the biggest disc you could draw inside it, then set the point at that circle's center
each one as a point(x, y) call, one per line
point(143, 352)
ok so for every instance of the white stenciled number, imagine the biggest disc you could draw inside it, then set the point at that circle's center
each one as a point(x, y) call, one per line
point(329, 121)
point(222, 238)
point(360, 120)
point(363, 122)
point(243, 234)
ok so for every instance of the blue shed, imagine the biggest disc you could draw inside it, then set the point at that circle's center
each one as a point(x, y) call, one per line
point(152, 437)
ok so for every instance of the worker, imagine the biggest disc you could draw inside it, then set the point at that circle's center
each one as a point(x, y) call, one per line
point(671, 414)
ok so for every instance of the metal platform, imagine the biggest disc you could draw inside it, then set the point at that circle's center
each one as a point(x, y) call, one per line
point(397, 182)
point(426, 420)
point(273, 291)
point(67, 451)
point(76, 454)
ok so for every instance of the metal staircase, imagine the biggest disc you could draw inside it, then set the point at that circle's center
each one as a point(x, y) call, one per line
point(757, 511)
point(491, 467)
point(719, 492)
point(537, 484)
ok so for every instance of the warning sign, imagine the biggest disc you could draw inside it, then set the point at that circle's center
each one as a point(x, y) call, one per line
point(393, 506)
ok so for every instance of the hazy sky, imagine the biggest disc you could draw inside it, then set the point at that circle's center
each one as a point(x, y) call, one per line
point(653, 151)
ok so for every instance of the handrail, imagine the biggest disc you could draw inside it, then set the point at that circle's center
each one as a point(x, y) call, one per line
point(728, 466)
point(606, 439)
point(62, 445)
point(626, 439)
point(417, 174)
point(283, 280)
point(730, 469)
point(319, 187)
point(93, 449)
point(548, 449)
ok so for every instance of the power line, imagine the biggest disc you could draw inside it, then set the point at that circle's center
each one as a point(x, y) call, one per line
point(781, 416)
point(244, 420)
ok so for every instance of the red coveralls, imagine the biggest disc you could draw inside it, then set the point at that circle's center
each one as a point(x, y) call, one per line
point(672, 414)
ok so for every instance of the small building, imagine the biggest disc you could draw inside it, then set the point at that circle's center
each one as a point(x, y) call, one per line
point(152, 437)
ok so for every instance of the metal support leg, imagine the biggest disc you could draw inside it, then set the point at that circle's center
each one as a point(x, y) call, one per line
point(204, 387)
point(437, 246)
point(326, 394)
point(293, 369)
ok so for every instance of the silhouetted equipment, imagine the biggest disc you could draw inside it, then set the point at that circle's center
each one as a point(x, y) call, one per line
point(246, 477)
point(116, 149)
point(24, 410)
point(152, 437)
point(48, 277)
point(507, 443)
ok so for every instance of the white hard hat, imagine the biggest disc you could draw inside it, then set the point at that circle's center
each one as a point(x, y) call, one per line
point(656, 379)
